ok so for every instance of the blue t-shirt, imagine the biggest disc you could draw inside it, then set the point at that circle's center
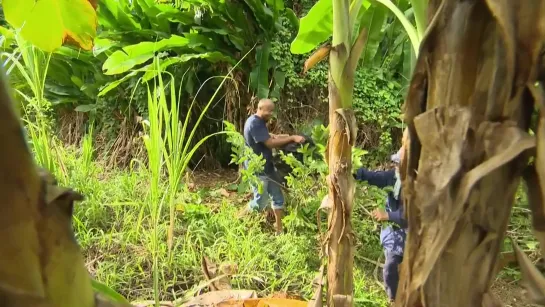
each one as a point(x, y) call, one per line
point(255, 135)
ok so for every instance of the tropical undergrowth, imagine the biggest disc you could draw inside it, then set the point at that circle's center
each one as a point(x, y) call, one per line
point(120, 253)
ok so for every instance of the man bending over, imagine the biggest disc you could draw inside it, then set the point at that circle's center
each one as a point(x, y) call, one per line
point(256, 136)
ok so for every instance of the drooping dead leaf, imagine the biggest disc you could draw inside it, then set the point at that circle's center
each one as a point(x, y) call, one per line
point(316, 57)
point(532, 279)
point(318, 282)
point(264, 302)
point(224, 192)
point(219, 277)
point(216, 297)
point(536, 180)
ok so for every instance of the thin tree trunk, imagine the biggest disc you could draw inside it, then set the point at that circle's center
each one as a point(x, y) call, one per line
point(469, 110)
point(342, 134)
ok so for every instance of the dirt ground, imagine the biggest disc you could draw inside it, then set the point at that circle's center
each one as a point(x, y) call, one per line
point(511, 293)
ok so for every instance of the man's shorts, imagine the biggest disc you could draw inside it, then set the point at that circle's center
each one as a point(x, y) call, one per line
point(271, 189)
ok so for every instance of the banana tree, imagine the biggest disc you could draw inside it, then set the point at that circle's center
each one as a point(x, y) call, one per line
point(316, 28)
point(341, 19)
point(476, 115)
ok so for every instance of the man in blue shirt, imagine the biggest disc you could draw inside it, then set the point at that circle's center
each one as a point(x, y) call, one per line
point(257, 137)
point(392, 235)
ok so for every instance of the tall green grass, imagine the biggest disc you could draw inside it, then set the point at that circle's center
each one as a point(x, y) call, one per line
point(122, 255)
point(31, 65)
point(170, 148)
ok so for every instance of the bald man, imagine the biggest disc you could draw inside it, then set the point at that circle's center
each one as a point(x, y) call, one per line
point(257, 137)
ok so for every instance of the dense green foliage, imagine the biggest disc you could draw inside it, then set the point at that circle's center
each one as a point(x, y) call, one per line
point(108, 109)
point(197, 42)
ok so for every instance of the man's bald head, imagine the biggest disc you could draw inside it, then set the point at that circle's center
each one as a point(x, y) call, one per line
point(265, 103)
point(265, 108)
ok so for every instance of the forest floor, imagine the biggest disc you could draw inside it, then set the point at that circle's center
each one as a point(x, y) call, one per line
point(511, 293)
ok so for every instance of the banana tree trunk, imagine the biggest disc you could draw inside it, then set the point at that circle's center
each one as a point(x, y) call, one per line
point(342, 134)
point(469, 111)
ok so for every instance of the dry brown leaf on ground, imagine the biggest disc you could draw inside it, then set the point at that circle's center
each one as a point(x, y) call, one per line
point(224, 192)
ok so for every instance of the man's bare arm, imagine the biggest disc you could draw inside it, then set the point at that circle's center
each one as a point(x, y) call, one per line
point(281, 141)
point(278, 136)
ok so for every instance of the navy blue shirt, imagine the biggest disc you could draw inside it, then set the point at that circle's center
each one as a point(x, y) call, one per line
point(392, 238)
point(255, 135)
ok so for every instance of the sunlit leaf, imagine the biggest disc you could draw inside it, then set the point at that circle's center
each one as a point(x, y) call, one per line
point(315, 28)
point(103, 45)
point(130, 56)
point(212, 57)
point(48, 24)
point(114, 14)
point(108, 292)
point(112, 85)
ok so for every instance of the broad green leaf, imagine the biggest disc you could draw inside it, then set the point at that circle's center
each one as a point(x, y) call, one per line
point(420, 9)
point(279, 82)
point(58, 90)
point(177, 16)
point(112, 85)
point(411, 31)
point(196, 40)
point(59, 71)
point(263, 15)
point(103, 45)
point(212, 57)
point(86, 108)
point(315, 28)
point(108, 292)
point(259, 77)
point(394, 50)
point(373, 20)
point(115, 15)
point(276, 6)
point(294, 21)
point(48, 24)
point(72, 53)
point(360, 18)
point(153, 13)
point(8, 37)
point(130, 56)
point(210, 30)
point(407, 61)
point(77, 81)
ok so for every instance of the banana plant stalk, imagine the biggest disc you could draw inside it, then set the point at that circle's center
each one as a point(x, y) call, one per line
point(475, 110)
point(344, 57)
